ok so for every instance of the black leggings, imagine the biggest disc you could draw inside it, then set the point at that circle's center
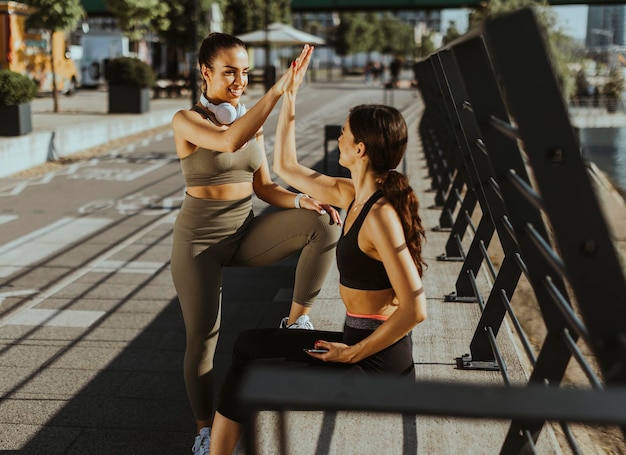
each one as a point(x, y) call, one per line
point(285, 348)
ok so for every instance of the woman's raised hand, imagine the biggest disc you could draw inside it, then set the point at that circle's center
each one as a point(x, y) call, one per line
point(299, 67)
point(292, 78)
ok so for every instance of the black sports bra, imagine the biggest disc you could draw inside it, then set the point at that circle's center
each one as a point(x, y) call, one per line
point(356, 269)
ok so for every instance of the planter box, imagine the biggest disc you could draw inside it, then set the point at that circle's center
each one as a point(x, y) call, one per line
point(16, 120)
point(128, 100)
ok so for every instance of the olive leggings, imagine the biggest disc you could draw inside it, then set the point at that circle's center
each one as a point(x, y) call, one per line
point(212, 234)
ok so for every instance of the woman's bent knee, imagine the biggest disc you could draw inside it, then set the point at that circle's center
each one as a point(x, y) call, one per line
point(325, 228)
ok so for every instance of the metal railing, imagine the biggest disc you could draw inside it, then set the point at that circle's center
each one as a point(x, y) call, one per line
point(600, 103)
point(497, 137)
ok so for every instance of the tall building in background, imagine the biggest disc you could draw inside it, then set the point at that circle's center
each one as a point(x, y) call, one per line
point(605, 26)
point(431, 18)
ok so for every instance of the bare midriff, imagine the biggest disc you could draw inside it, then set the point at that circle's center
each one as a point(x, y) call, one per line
point(381, 302)
point(225, 192)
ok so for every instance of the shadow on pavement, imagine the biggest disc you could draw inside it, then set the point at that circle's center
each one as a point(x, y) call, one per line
point(138, 404)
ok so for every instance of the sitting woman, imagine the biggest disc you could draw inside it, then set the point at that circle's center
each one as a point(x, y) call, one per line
point(379, 257)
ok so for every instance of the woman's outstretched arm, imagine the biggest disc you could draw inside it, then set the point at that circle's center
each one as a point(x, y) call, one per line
point(191, 127)
point(336, 191)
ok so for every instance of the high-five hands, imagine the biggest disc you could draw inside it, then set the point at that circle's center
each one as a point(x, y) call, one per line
point(294, 76)
point(299, 67)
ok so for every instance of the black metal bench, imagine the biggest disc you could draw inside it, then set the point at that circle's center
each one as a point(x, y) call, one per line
point(170, 88)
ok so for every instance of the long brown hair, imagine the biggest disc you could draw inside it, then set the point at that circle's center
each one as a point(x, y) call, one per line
point(212, 45)
point(384, 132)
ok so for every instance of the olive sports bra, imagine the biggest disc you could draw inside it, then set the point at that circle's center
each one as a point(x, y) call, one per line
point(209, 167)
point(356, 269)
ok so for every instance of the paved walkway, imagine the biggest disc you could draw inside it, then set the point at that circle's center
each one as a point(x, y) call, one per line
point(113, 385)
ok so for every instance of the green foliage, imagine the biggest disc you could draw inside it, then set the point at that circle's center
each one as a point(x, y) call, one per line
point(137, 16)
point(427, 46)
point(557, 41)
point(15, 88)
point(367, 32)
point(399, 37)
point(242, 16)
point(452, 33)
point(130, 71)
point(583, 88)
point(55, 15)
point(355, 33)
point(180, 18)
point(615, 85)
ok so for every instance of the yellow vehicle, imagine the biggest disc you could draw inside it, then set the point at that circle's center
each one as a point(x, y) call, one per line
point(30, 52)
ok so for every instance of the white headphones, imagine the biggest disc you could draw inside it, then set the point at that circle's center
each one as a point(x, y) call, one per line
point(225, 113)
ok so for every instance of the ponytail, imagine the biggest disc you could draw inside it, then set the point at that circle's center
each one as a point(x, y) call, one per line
point(384, 132)
point(396, 189)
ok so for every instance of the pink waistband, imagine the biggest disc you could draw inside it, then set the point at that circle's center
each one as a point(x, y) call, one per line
point(378, 317)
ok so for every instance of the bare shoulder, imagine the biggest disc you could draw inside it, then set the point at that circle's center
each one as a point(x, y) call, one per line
point(383, 212)
point(184, 124)
point(383, 221)
point(184, 115)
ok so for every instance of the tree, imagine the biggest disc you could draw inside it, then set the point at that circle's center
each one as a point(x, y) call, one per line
point(376, 35)
point(350, 31)
point(557, 41)
point(138, 16)
point(55, 16)
point(242, 16)
point(427, 46)
point(613, 88)
point(583, 88)
point(452, 33)
point(189, 25)
point(398, 36)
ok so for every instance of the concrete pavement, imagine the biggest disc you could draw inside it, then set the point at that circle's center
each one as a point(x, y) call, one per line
point(91, 337)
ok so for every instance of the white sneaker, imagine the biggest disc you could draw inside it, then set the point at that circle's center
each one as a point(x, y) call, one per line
point(303, 322)
point(202, 442)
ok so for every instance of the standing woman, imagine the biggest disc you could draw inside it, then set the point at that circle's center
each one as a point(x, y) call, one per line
point(379, 258)
point(223, 162)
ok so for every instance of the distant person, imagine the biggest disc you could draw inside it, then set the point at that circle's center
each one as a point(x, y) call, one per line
point(379, 258)
point(223, 161)
point(377, 71)
point(414, 82)
point(394, 71)
point(367, 72)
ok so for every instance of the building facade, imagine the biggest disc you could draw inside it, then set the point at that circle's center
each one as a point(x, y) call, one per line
point(605, 26)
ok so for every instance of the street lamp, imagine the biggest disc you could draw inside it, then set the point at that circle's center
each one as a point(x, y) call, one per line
point(269, 72)
point(193, 71)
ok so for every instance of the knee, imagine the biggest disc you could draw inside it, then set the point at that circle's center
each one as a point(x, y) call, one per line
point(244, 341)
point(202, 345)
point(326, 230)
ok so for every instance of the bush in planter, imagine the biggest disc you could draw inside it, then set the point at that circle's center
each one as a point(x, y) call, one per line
point(130, 72)
point(16, 88)
point(130, 81)
point(16, 93)
point(613, 89)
